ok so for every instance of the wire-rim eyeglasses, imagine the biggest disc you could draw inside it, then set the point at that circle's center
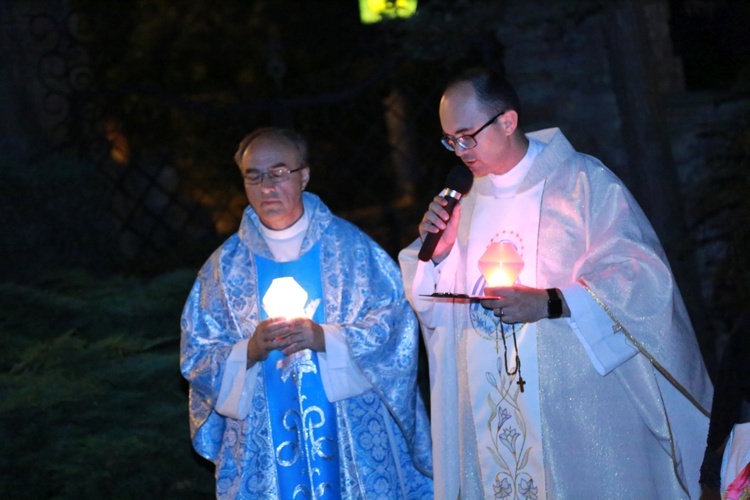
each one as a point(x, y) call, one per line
point(468, 141)
point(276, 175)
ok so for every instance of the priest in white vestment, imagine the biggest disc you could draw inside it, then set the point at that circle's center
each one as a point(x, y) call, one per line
point(583, 378)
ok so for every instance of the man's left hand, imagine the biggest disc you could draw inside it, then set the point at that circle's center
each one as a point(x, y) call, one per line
point(517, 304)
point(303, 333)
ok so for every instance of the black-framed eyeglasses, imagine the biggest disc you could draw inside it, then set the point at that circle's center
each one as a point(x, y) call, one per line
point(276, 175)
point(467, 141)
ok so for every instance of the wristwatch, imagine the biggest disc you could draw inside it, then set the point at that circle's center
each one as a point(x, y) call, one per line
point(554, 303)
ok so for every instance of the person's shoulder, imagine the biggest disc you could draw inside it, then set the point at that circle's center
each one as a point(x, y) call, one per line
point(582, 173)
point(228, 246)
point(335, 226)
point(559, 159)
point(352, 236)
point(593, 164)
point(348, 229)
point(594, 168)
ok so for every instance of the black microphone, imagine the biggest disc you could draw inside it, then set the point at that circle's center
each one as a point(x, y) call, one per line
point(457, 184)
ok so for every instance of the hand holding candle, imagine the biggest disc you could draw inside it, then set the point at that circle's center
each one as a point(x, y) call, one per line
point(286, 335)
point(290, 328)
point(517, 303)
point(500, 265)
point(269, 335)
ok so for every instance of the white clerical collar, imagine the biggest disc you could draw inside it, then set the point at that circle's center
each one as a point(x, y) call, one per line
point(507, 183)
point(286, 244)
point(285, 234)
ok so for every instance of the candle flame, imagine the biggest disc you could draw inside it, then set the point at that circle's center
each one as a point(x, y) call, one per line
point(501, 264)
point(285, 298)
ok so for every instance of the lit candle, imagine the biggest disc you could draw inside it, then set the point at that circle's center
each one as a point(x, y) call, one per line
point(500, 264)
point(285, 298)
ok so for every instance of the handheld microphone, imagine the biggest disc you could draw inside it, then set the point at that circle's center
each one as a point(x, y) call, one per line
point(457, 184)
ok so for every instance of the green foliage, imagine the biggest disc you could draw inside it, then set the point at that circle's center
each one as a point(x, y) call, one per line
point(59, 206)
point(92, 404)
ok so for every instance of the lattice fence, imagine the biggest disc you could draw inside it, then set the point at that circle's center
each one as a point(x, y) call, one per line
point(166, 157)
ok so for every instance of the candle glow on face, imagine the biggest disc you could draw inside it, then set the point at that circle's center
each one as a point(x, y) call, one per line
point(501, 264)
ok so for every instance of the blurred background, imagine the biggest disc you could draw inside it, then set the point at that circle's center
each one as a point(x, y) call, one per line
point(119, 120)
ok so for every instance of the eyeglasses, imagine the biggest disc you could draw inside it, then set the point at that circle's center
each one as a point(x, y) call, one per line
point(467, 141)
point(276, 175)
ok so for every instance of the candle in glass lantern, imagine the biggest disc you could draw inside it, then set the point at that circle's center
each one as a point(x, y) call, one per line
point(500, 264)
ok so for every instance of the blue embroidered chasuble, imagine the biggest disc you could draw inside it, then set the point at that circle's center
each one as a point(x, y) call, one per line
point(303, 421)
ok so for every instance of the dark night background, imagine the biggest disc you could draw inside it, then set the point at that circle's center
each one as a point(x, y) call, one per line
point(119, 120)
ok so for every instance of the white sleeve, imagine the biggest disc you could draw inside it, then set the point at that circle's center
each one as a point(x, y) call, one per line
point(595, 330)
point(430, 278)
point(237, 384)
point(340, 376)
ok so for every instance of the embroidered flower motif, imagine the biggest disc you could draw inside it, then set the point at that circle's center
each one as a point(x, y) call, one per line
point(382, 487)
point(296, 366)
point(374, 441)
point(504, 416)
point(509, 449)
point(527, 489)
point(503, 489)
point(508, 437)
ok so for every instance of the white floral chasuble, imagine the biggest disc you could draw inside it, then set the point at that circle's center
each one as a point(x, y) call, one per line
point(507, 421)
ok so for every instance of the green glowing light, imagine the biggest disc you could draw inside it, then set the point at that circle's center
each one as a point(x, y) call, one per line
point(373, 11)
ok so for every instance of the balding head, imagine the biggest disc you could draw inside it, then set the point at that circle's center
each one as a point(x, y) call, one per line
point(280, 134)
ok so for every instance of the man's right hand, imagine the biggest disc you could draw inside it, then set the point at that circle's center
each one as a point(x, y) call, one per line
point(436, 219)
point(270, 334)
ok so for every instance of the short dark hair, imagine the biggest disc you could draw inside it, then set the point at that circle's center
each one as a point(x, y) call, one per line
point(290, 135)
point(494, 91)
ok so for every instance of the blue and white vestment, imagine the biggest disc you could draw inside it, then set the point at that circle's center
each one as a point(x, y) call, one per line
point(382, 433)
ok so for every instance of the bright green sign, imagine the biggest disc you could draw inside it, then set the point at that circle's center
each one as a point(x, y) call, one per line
point(372, 11)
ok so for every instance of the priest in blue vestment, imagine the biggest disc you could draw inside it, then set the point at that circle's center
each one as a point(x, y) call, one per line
point(301, 349)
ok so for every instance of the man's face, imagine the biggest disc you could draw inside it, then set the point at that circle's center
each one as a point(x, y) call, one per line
point(461, 114)
point(278, 205)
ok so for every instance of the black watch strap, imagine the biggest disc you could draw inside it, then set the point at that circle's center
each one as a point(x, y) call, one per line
point(554, 303)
